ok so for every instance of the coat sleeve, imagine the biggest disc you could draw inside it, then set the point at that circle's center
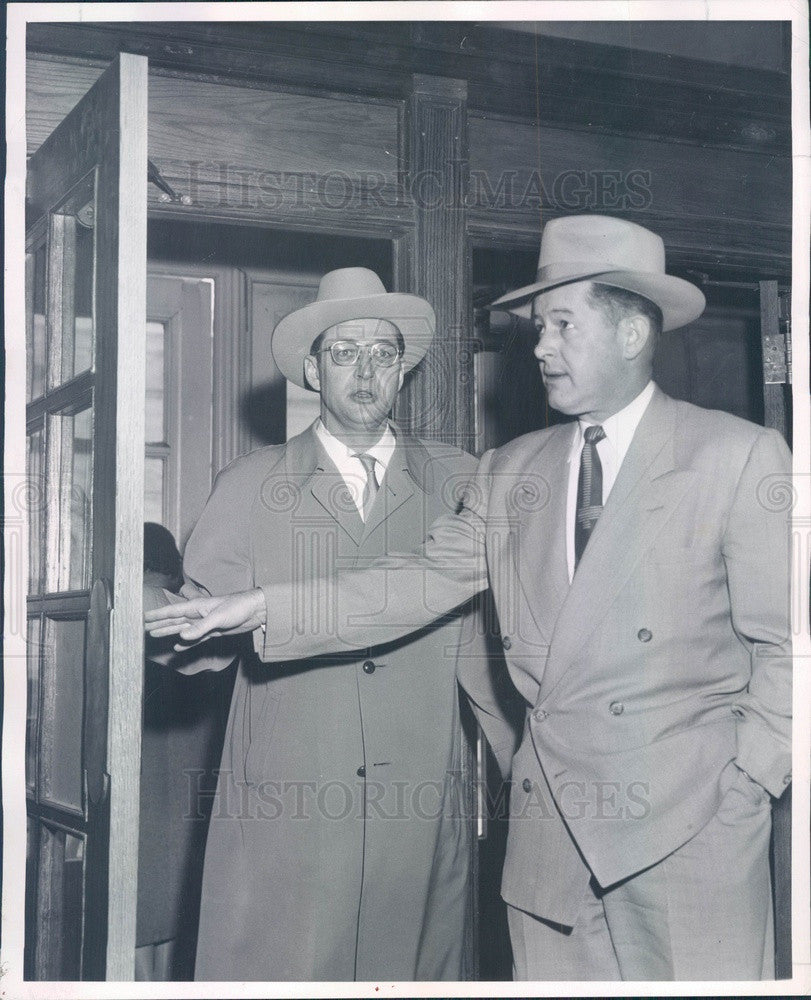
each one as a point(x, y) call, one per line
point(482, 674)
point(390, 597)
point(757, 555)
point(216, 561)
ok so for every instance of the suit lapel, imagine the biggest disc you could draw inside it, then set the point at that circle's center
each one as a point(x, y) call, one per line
point(396, 488)
point(538, 529)
point(309, 465)
point(407, 471)
point(647, 490)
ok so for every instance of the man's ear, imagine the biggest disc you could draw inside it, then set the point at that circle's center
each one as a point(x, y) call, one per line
point(402, 377)
point(635, 332)
point(311, 373)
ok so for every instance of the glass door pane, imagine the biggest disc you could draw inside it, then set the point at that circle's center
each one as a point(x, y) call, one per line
point(60, 877)
point(71, 291)
point(36, 506)
point(36, 321)
point(69, 491)
point(33, 671)
point(60, 752)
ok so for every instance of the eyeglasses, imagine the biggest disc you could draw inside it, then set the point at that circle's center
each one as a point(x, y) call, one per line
point(345, 353)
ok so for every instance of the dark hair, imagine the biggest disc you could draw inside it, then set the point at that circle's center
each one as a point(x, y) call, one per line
point(316, 344)
point(160, 552)
point(618, 303)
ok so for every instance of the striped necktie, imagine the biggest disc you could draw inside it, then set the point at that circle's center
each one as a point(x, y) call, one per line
point(589, 490)
point(371, 488)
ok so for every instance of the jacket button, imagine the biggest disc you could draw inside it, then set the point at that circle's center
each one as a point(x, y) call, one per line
point(616, 708)
point(361, 772)
point(526, 784)
point(368, 666)
point(506, 642)
point(644, 635)
point(539, 715)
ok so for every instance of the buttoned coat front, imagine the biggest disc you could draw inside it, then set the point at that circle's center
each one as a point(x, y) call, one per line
point(666, 660)
point(337, 848)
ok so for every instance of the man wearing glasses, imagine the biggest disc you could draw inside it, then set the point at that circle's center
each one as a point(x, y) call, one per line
point(338, 848)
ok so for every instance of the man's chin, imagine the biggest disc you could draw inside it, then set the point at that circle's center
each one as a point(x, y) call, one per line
point(369, 417)
point(557, 400)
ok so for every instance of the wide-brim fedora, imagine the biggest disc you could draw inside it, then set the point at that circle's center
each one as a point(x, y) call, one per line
point(613, 252)
point(343, 295)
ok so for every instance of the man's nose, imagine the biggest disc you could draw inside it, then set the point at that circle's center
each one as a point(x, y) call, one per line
point(363, 366)
point(543, 348)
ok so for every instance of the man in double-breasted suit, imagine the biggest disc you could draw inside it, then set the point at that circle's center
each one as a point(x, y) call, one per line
point(338, 847)
point(638, 557)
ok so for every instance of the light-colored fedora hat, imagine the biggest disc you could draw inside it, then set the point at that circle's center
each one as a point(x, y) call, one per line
point(343, 295)
point(613, 252)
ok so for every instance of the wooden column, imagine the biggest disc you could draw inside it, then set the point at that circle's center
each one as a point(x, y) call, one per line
point(433, 261)
point(438, 401)
point(776, 345)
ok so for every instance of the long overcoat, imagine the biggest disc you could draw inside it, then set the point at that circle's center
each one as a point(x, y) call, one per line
point(337, 848)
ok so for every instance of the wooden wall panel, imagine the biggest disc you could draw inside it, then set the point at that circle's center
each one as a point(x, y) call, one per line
point(53, 88)
point(266, 130)
point(258, 131)
point(326, 162)
point(571, 84)
point(711, 204)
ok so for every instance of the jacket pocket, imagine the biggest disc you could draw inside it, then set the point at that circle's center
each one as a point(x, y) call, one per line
point(755, 794)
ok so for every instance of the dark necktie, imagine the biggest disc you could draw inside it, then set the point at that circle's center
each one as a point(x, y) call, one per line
point(371, 487)
point(589, 491)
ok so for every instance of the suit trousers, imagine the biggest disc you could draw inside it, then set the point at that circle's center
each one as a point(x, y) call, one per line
point(702, 913)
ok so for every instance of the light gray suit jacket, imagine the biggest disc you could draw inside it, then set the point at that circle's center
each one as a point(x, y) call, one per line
point(666, 658)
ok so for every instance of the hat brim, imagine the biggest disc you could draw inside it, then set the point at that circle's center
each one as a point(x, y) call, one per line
point(680, 301)
point(293, 336)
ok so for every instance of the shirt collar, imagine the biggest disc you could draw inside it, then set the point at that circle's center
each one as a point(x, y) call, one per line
point(620, 427)
point(341, 454)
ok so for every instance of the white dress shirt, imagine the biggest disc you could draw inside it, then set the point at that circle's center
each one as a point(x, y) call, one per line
point(619, 432)
point(349, 465)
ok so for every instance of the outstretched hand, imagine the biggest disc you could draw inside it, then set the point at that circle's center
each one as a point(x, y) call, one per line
point(204, 617)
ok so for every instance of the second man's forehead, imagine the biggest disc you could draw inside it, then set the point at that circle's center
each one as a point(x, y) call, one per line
point(362, 329)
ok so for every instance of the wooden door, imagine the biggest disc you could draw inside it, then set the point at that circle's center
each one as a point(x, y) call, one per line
point(86, 282)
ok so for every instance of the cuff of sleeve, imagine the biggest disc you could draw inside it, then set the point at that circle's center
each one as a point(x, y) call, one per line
point(259, 636)
point(266, 638)
point(766, 760)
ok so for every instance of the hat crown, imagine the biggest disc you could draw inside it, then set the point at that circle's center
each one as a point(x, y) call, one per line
point(346, 294)
point(613, 252)
point(600, 242)
point(349, 283)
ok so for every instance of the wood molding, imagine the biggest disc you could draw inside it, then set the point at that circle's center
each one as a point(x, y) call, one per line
point(437, 400)
point(572, 84)
point(302, 218)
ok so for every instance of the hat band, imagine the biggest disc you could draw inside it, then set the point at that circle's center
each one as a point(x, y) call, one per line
point(583, 268)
